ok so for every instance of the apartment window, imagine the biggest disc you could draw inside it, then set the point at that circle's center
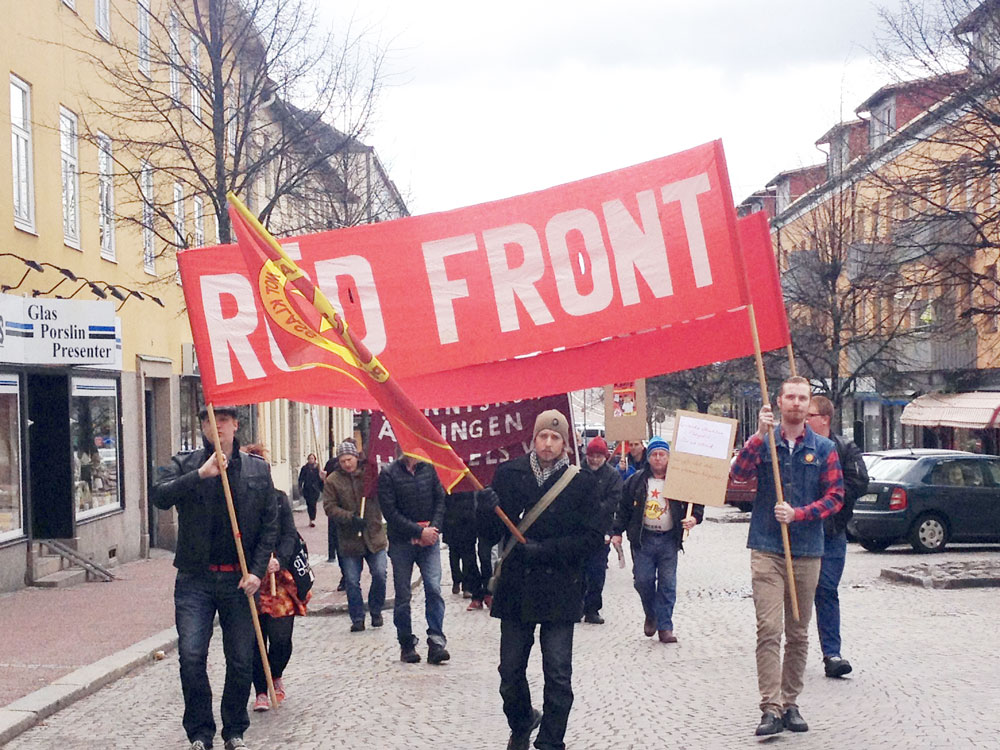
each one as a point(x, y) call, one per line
point(68, 152)
point(990, 299)
point(199, 222)
point(783, 195)
point(179, 214)
point(173, 29)
point(20, 148)
point(142, 25)
point(102, 17)
point(148, 237)
point(106, 196)
point(883, 122)
point(195, 77)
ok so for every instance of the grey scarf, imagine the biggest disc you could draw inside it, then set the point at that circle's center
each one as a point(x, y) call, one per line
point(542, 474)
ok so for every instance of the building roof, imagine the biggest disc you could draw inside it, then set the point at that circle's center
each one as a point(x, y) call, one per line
point(950, 81)
point(829, 134)
point(971, 22)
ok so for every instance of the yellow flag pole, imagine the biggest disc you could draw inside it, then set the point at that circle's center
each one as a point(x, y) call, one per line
point(778, 488)
point(220, 459)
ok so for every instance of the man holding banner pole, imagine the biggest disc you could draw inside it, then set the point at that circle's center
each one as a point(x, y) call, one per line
point(813, 488)
point(209, 578)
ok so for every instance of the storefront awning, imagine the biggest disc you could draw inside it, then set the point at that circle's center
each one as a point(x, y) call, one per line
point(974, 411)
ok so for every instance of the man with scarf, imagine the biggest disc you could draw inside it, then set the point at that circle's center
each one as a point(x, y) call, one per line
point(209, 580)
point(540, 584)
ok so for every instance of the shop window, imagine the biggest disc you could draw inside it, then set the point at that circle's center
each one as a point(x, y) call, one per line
point(93, 420)
point(11, 518)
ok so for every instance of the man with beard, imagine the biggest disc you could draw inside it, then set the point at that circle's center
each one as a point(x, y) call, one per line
point(539, 585)
point(814, 489)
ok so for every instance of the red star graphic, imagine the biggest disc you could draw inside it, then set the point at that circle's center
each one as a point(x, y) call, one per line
point(655, 493)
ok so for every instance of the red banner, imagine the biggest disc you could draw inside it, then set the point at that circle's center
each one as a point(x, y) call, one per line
point(621, 276)
point(482, 436)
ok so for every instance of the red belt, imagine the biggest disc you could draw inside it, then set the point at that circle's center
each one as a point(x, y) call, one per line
point(224, 568)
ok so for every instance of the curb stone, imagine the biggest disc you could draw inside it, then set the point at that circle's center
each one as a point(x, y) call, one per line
point(24, 713)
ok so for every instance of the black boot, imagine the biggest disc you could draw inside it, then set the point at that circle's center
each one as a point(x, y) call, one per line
point(408, 652)
point(436, 653)
point(769, 724)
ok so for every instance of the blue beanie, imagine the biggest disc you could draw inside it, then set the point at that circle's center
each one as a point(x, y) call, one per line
point(657, 443)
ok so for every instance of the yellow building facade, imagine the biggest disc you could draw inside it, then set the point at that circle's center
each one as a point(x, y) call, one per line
point(98, 380)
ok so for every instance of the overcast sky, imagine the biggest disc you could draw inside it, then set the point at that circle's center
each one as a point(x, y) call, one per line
point(489, 100)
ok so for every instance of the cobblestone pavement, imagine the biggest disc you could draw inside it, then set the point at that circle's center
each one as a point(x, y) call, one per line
point(926, 674)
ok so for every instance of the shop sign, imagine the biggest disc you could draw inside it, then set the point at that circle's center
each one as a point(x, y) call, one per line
point(41, 331)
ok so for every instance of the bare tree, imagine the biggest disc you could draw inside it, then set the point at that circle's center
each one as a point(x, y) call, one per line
point(249, 96)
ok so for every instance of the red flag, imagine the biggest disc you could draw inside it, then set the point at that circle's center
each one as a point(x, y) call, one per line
point(300, 319)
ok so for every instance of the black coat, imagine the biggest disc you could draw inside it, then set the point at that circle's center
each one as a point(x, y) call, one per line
point(288, 536)
point(549, 589)
point(628, 518)
point(179, 486)
point(408, 498)
point(310, 485)
point(460, 519)
point(608, 491)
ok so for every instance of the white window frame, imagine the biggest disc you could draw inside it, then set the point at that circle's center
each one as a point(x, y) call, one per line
point(195, 67)
point(174, 56)
point(101, 388)
point(143, 16)
point(179, 215)
point(22, 171)
point(69, 156)
point(102, 18)
point(883, 122)
point(199, 221)
point(106, 196)
point(148, 217)
point(10, 385)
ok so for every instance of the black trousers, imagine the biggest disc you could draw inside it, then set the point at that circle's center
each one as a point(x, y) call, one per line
point(556, 639)
point(311, 498)
point(277, 633)
point(465, 568)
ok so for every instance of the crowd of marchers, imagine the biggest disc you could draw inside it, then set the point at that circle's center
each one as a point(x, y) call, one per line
point(569, 514)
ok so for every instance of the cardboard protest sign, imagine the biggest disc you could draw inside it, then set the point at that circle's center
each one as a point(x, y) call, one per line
point(699, 458)
point(625, 410)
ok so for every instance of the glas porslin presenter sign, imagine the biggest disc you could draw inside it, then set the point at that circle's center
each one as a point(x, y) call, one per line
point(40, 331)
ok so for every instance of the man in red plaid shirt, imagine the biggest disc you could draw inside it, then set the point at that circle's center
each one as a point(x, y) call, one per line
point(813, 486)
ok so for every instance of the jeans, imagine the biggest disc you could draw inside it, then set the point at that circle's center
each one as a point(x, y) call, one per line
point(352, 580)
point(654, 573)
point(197, 598)
point(404, 555)
point(277, 632)
point(780, 680)
point(828, 600)
point(516, 640)
point(595, 570)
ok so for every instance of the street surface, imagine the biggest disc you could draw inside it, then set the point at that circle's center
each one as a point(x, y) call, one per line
point(927, 674)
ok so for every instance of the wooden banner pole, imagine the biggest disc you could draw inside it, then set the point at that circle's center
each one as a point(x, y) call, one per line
point(362, 514)
point(220, 459)
point(690, 514)
point(791, 360)
point(778, 489)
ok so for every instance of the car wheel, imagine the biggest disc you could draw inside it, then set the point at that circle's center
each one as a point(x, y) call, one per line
point(875, 545)
point(929, 533)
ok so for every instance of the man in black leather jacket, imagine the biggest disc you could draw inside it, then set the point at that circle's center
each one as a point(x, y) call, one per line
point(209, 580)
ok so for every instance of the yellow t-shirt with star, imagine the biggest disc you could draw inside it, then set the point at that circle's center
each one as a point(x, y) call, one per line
point(656, 515)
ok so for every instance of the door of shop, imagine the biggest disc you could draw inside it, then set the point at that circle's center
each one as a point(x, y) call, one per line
point(151, 510)
point(50, 459)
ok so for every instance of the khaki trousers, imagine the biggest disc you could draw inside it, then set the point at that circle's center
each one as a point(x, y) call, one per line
point(780, 683)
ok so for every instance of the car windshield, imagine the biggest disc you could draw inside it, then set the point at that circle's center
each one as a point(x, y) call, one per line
point(891, 468)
